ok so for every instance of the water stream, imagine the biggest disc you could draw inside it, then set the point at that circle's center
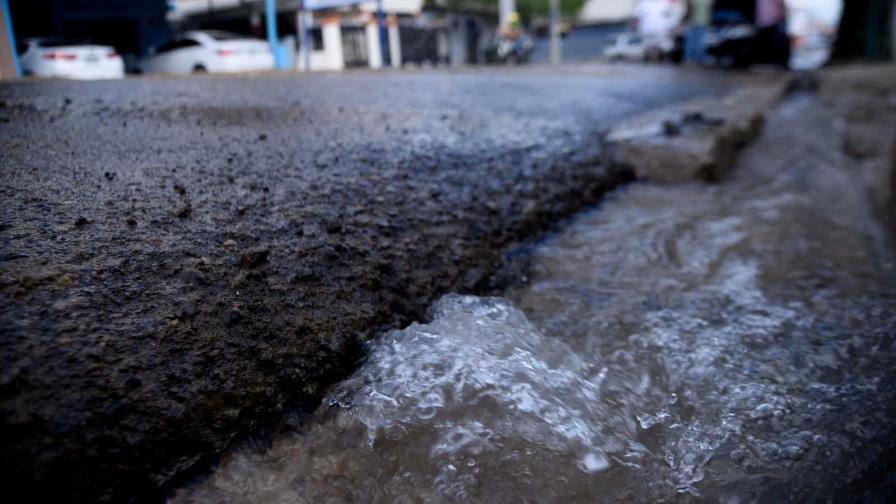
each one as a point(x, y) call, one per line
point(729, 343)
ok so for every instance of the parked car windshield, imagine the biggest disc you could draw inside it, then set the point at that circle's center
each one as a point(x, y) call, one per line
point(176, 44)
point(223, 35)
point(60, 42)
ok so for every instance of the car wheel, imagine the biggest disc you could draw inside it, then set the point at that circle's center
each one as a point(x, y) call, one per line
point(199, 69)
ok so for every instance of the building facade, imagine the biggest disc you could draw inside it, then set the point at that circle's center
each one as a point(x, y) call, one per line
point(606, 11)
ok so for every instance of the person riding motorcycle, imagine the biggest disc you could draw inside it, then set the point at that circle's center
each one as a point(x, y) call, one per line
point(512, 44)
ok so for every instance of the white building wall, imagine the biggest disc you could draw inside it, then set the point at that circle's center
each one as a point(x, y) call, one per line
point(181, 8)
point(394, 42)
point(332, 38)
point(606, 11)
point(320, 61)
point(374, 52)
point(330, 57)
point(395, 6)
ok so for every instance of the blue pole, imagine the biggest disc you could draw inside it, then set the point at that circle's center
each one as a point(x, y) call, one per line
point(306, 49)
point(384, 38)
point(270, 12)
point(7, 18)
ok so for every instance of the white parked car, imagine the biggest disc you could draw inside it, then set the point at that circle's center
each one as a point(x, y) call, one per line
point(626, 46)
point(55, 57)
point(210, 51)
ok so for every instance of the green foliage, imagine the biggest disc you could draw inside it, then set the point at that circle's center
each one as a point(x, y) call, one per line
point(528, 9)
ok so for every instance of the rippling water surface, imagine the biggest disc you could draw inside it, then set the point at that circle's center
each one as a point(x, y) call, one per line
point(729, 343)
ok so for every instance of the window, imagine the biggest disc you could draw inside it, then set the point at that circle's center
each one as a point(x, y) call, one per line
point(317, 39)
point(221, 35)
point(176, 44)
point(59, 42)
point(167, 46)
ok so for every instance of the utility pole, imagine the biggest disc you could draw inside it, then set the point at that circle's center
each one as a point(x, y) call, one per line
point(384, 36)
point(304, 40)
point(270, 11)
point(505, 8)
point(554, 20)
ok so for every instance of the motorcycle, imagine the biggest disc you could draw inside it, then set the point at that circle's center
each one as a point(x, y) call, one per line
point(511, 49)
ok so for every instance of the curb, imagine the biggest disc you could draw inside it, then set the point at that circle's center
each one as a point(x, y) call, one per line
point(696, 140)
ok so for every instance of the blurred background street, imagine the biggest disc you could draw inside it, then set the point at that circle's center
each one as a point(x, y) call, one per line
point(42, 37)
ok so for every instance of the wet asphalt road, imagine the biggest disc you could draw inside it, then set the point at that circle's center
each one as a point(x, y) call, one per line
point(186, 261)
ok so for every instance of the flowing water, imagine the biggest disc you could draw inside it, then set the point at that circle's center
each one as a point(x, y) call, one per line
point(726, 343)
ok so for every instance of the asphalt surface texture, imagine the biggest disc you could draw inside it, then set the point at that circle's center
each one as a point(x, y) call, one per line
point(185, 262)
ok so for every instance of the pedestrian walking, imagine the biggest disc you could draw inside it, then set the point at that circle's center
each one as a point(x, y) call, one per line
point(657, 22)
point(699, 20)
point(772, 43)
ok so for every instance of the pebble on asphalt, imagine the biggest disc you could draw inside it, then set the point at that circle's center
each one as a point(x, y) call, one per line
point(254, 258)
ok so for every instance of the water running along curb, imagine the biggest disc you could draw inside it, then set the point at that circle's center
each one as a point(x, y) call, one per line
point(170, 281)
point(632, 316)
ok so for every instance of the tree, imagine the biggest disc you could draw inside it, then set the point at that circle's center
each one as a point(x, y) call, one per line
point(528, 9)
point(531, 9)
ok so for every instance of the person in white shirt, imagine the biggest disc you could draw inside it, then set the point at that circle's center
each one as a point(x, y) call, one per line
point(657, 21)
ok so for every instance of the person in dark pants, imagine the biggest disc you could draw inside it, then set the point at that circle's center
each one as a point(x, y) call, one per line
point(699, 18)
point(772, 42)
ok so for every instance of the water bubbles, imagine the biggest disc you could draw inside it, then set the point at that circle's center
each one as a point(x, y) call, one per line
point(732, 344)
point(764, 411)
point(594, 462)
point(647, 421)
point(662, 417)
point(469, 438)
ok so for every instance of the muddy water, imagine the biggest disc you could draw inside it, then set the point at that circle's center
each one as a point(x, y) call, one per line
point(730, 343)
